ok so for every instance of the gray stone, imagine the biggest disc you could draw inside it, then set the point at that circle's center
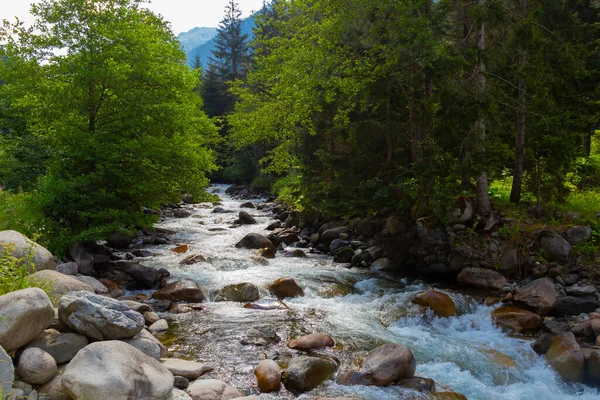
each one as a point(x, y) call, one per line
point(36, 366)
point(83, 259)
point(116, 370)
point(7, 371)
point(212, 389)
point(24, 314)
point(330, 234)
point(579, 234)
point(61, 346)
point(58, 284)
point(160, 326)
point(147, 277)
point(555, 247)
point(69, 268)
point(255, 241)
point(54, 387)
point(241, 292)
point(306, 373)
point(98, 287)
point(571, 305)
point(388, 363)
point(24, 248)
point(147, 344)
point(177, 394)
point(581, 291)
point(246, 219)
point(509, 261)
point(98, 317)
point(538, 296)
point(183, 290)
point(481, 278)
point(187, 369)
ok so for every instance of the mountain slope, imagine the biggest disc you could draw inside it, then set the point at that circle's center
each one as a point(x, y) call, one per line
point(196, 37)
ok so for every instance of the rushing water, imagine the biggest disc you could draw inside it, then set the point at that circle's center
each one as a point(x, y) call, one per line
point(358, 308)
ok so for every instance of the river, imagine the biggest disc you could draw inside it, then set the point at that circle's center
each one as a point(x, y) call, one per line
point(360, 309)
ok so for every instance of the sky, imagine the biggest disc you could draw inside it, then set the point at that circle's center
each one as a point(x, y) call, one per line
point(182, 14)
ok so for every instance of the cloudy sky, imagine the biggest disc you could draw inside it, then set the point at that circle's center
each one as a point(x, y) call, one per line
point(183, 14)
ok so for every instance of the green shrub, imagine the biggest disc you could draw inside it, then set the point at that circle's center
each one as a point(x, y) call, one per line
point(13, 271)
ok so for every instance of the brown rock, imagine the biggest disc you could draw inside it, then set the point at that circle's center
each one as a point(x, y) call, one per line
point(266, 252)
point(268, 376)
point(592, 366)
point(516, 318)
point(285, 287)
point(192, 259)
point(566, 357)
point(387, 364)
point(538, 296)
point(310, 342)
point(441, 304)
point(184, 290)
point(306, 373)
point(181, 248)
point(449, 396)
point(481, 278)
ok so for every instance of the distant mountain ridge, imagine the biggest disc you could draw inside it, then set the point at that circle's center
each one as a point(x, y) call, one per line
point(204, 50)
point(196, 37)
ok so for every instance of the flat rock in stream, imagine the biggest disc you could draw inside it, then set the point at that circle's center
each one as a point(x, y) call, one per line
point(185, 368)
point(241, 292)
point(311, 342)
point(184, 290)
point(260, 336)
point(212, 389)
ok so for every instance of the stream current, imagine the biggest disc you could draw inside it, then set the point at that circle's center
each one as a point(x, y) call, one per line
point(359, 308)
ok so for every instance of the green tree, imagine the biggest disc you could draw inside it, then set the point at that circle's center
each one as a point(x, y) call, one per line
point(104, 82)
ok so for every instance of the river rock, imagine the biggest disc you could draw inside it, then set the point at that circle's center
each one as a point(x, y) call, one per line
point(246, 219)
point(160, 326)
point(566, 357)
point(343, 255)
point(448, 396)
point(440, 303)
point(192, 259)
point(68, 268)
point(571, 305)
point(260, 336)
point(99, 317)
point(177, 394)
point(481, 278)
point(516, 318)
point(212, 389)
point(119, 240)
point(285, 287)
point(184, 290)
point(311, 342)
point(7, 371)
point(266, 253)
point(255, 241)
point(98, 287)
point(241, 292)
point(150, 317)
point(329, 235)
point(387, 364)
point(542, 343)
point(592, 366)
point(273, 225)
point(24, 314)
point(22, 247)
point(185, 368)
point(538, 296)
point(146, 277)
point(61, 346)
point(36, 366)
point(509, 261)
point(116, 370)
point(579, 234)
point(418, 384)
point(306, 373)
point(181, 213)
point(182, 248)
point(268, 376)
point(83, 259)
point(294, 253)
point(581, 291)
point(555, 247)
point(54, 388)
point(181, 383)
point(147, 344)
point(58, 284)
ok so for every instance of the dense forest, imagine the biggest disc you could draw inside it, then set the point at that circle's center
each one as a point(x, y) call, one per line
point(347, 107)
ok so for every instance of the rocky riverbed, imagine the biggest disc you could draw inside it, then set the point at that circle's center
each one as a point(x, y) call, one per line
point(283, 323)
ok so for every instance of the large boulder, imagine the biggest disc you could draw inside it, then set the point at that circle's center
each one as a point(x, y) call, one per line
point(246, 219)
point(98, 317)
point(516, 318)
point(119, 240)
point(58, 284)
point(83, 259)
point(481, 278)
point(387, 364)
point(147, 344)
point(184, 290)
point(61, 346)
point(285, 287)
point(98, 287)
point(574, 305)
point(566, 357)
point(7, 371)
point(255, 241)
point(24, 248)
point(146, 277)
point(212, 389)
point(268, 376)
point(306, 373)
point(440, 303)
point(185, 368)
point(68, 268)
point(555, 247)
point(579, 234)
point(330, 235)
point(538, 296)
point(311, 342)
point(241, 292)
point(54, 387)
point(116, 370)
point(24, 314)
point(36, 366)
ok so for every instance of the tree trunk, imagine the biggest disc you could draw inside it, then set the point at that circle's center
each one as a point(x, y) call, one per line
point(482, 202)
point(517, 184)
